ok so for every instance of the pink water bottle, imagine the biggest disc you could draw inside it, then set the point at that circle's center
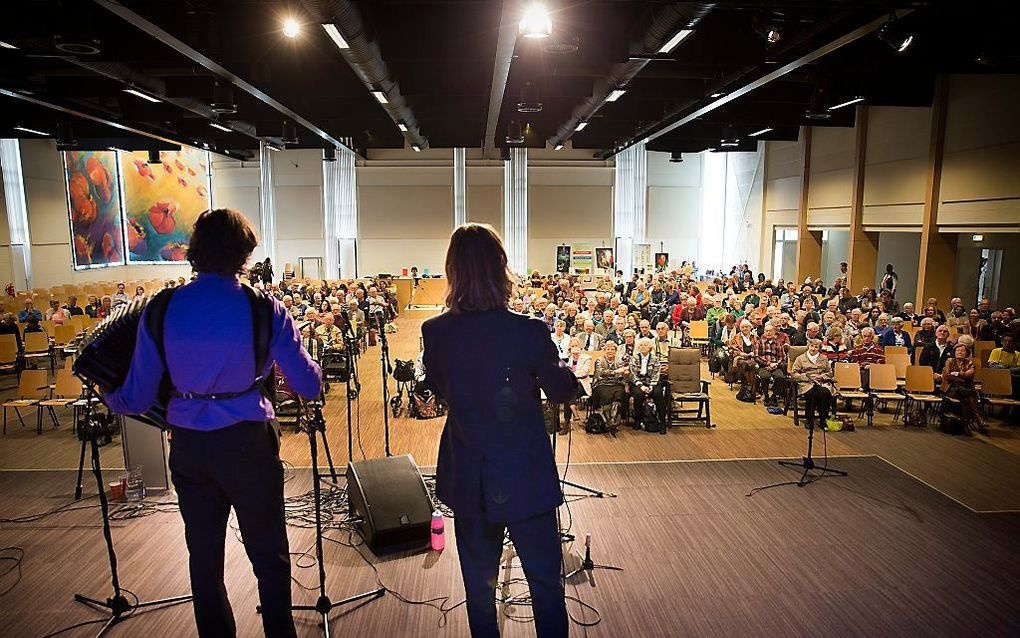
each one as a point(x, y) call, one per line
point(438, 537)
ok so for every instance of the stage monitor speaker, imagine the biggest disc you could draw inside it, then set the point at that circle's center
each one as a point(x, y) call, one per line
point(390, 497)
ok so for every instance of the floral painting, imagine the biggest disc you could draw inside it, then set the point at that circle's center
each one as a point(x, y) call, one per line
point(93, 203)
point(162, 202)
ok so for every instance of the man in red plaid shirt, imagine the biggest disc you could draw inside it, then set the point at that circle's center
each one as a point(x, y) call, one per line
point(867, 353)
point(770, 355)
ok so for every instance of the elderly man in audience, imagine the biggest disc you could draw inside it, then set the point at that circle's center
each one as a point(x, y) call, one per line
point(604, 327)
point(626, 349)
point(811, 331)
point(936, 353)
point(9, 326)
point(356, 316)
point(329, 334)
point(72, 307)
point(616, 334)
point(867, 352)
point(813, 374)
point(120, 297)
point(897, 336)
point(644, 381)
point(29, 311)
point(645, 330)
point(854, 325)
point(590, 339)
point(926, 334)
point(770, 355)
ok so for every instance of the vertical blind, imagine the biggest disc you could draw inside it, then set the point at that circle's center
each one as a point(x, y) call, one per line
point(630, 215)
point(515, 209)
point(340, 207)
point(459, 187)
point(267, 202)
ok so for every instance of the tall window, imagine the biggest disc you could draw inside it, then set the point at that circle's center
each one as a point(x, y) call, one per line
point(17, 212)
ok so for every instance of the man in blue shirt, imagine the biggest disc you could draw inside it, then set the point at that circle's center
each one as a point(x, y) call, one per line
point(224, 452)
point(30, 309)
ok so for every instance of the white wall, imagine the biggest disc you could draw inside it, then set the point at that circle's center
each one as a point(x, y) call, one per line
point(902, 250)
point(297, 192)
point(674, 206)
point(567, 205)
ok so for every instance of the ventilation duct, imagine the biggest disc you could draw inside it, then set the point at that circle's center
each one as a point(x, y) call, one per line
point(366, 61)
point(666, 22)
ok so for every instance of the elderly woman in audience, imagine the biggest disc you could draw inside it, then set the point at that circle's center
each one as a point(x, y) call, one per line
point(580, 364)
point(958, 384)
point(897, 336)
point(812, 373)
point(834, 347)
point(610, 378)
point(644, 381)
point(627, 349)
point(560, 338)
point(926, 334)
point(742, 349)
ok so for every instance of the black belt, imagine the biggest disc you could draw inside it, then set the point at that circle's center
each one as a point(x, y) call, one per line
point(219, 395)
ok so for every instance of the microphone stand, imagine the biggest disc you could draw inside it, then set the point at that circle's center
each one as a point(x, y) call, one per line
point(387, 369)
point(323, 605)
point(117, 605)
point(350, 344)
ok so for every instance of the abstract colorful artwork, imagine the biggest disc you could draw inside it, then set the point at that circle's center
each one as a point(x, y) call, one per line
point(93, 204)
point(162, 202)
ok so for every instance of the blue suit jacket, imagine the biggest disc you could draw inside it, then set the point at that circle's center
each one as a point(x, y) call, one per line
point(494, 452)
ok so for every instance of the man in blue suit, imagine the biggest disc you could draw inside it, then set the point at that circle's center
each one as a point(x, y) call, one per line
point(496, 468)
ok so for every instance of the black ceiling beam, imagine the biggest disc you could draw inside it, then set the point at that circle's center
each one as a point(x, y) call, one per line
point(197, 57)
point(673, 122)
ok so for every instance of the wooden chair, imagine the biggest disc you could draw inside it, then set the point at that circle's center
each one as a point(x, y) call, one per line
point(848, 388)
point(884, 386)
point(698, 333)
point(37, 346)
point(67, 392)
point(919, 386)
point(997, 387)
point(78, 323)
point(32, 388)
point(894, 350)
point(685, 385)
point(900, 362)
point(10, 356)
point(63, 335)
point(981, 354)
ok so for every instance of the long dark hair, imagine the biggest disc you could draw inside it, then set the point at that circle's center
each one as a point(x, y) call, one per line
point(476, 269)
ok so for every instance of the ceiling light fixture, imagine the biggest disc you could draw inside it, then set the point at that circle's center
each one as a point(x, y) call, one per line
point(291, 28)
point(729, 137)
point(25, 129)
point(334, 35)
point(7, 45)
point(615, 95)
point(514, 133)
point(536, 22)
point(65, 136)
point(402, 127)
point(768, 30)
point(558, 147)
point(289, 134)
point(717, 94)
point(898, 37)
point(223, 99)
point(220, 127)
point(676, 157)
point(761, 132)
point(977, 237)
point(818, 108)
point(580, 127)
point(416, 148)
point(329, 154)
point(137, 93)
point(154, 157)
point(675, 41)
point(381, 97)
point(855, 100)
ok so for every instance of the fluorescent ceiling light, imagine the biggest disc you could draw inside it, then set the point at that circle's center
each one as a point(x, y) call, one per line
point(7, 45)
point(142, 95)
point(220, 127)
point(615, 95)
point(30, 130)
point(381, 97)
point(416, 148)
point(680, 36)
point(761, 132)
point(718, 94)
point(402, 127)
point(977, 237)
point(558, 147)
point(580, 127)
point(334, 35)
point(847, 103)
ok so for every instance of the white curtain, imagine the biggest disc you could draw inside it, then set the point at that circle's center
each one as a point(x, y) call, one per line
point(340, 207)
point(515, 209)
point(459, 187)
point(17, 213)
point(267, 204)
point(630, 214)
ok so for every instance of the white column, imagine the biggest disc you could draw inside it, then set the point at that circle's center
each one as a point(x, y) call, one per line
point(515, 210)
point(17, 213)
point(340, 207)
point(267, 204)
point(459, 187)
point(630, 214)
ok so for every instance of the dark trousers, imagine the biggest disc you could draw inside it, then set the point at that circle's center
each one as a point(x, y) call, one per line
point(817, 400)
point(765, 376)
point(235, 466)
point(658, 397)
point(480, 545)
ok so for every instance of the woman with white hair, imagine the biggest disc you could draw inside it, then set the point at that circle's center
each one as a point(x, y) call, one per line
point(813, 374)
point(644, 381)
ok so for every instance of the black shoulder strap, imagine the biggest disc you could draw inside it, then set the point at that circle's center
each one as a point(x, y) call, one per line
point(261, 326)
point(154, 317)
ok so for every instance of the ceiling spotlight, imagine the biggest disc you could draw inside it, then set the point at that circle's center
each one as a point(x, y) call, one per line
point(289, 135)
point(291, 27)
point(416, 148)
point(580, 127)
point(33, 131)
point(761, 132)
point(223, 98)
point(898, 37)
point(137, 93)
point(615, 95)
point(675, 41)
point(729, 138)
point(558, 147)
point(65, 136)
point(154, 156)
point(514, 133)
point(717, 94)
point(329, 154)
point(334, 35)
point(676, 157)
point(220, 127)
point(536, 22)
point(530, 102)
point(768, 30)
point(855, 100)
point(402, 127)
point(380, 97)
point(817, 108)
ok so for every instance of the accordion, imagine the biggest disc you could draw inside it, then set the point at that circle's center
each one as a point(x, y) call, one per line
point(104, 357)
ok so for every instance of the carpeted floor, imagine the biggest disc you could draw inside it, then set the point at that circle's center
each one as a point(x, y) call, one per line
point(875, 554)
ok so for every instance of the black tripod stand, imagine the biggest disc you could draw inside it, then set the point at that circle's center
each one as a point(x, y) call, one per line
point(587, 564)
point(808, 464)
point(584, 488)
point(387, 369)
point(323, 605)
point(117, 605)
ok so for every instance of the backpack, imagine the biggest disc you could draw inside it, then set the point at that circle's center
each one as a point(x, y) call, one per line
point(650, 420)
point(745, 394)
point(427, 406)
point(596, 423)
point(403, 370)
point(952, 424)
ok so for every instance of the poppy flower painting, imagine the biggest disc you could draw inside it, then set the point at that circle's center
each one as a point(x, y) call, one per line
point(93, 204)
